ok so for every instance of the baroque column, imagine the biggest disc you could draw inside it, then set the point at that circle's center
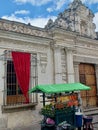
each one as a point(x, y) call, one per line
point(96, 70)
point(70, 67)
point(57, 64)
point(76, 71)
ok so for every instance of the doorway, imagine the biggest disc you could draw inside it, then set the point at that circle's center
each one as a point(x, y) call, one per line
point(87, 76)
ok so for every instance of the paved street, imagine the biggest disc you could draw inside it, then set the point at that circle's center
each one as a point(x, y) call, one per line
point(37, 127)
point(31, 127)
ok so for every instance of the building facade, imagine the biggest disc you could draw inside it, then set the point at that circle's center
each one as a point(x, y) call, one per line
point(65, 51)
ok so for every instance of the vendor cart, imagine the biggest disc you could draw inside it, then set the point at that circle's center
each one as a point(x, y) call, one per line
point(62, 105)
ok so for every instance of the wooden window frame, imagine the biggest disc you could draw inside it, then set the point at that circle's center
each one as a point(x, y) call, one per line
point(33, 82)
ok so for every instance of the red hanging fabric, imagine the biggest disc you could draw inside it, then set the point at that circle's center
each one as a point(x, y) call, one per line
point(21, 63)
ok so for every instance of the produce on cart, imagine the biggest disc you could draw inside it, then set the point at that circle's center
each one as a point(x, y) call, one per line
point(63, 102)
point(62, 109)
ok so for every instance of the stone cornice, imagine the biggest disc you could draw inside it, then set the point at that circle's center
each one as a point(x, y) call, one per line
point(22, 28)
point(57, 32)
point(86, 39)
point(12, 36)
point(22, 46)
point(85, 59)
point(64, 32)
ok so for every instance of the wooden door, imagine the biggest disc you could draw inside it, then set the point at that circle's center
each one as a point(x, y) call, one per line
point(88, 77)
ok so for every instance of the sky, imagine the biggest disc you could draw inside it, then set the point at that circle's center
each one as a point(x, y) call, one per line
point(38, 12)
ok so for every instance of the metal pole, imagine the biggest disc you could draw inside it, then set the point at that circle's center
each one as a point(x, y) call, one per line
point(79, 128)
point(43, 99)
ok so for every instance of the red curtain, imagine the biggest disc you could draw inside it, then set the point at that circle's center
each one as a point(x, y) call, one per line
point(22, 68)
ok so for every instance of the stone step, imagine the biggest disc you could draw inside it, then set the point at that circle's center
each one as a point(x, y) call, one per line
point(94, 113)
point(91, 111)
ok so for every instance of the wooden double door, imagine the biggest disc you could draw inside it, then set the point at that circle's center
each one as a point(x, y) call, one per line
point(88, 77)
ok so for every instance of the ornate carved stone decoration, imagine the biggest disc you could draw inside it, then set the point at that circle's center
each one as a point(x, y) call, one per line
point(63, 63)
point(22, 28)
point(49, 24)
point(72, 19)
point(43, 62)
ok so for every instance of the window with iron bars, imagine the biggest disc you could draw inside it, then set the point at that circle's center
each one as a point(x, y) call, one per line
point(12, 93)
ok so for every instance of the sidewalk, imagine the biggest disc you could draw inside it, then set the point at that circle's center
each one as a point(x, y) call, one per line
point(36, 126)
point(31, 127)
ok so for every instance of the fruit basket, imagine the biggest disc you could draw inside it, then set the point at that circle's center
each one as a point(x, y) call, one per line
point(48, 111)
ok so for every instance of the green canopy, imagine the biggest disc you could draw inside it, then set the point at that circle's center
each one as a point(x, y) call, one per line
point(58, 88)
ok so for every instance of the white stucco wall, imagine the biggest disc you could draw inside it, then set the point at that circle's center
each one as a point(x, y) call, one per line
point(1, 77)
point(45, 75)
point(49, 64)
